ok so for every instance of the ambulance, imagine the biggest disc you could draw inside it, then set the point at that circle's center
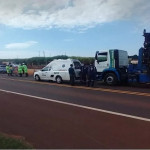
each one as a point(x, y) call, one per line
point(57, 70)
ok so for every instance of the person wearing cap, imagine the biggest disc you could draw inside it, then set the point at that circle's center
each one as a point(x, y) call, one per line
point(72, 74)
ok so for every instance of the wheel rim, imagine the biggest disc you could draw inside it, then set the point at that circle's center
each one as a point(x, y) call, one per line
point(36, 77)
point(58, 80)
point(109, 79)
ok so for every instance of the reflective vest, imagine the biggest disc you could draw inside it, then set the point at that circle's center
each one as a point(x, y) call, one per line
point(25, 68)
point(20, 69)
point(8, 69)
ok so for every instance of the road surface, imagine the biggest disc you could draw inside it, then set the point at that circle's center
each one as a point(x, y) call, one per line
point(49, 115)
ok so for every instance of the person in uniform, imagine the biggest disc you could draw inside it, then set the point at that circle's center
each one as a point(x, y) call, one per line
point(20, 70)
point(72, 74)
point(25, 70)
point(8, 69)
point(83, 74)
point(11, 69)
point(91, 75)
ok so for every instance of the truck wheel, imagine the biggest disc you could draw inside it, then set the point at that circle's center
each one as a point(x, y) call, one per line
point(58, 79)
point(110, 79)
point(37, 78)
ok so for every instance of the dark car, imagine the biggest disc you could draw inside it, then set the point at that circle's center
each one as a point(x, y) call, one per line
point(3, 69)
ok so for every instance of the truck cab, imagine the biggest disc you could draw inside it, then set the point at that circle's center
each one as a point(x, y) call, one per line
point(111, 65)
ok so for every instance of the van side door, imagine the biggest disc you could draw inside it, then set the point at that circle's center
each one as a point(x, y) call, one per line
point(44, 73)
point(50, 74)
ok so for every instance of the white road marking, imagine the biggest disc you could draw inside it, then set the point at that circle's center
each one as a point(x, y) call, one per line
point(80, 106)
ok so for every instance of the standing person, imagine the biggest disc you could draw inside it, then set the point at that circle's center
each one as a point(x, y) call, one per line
point(11, 69)
point(8, 69)
point(83, 74)
point(91, 75)
point(25, 70)
point(72, 74)
point(20, 70)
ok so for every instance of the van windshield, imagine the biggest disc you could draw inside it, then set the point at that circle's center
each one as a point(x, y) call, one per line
point(46, 69)
point(77, 65)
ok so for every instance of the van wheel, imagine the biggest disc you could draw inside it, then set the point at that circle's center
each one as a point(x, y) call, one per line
point(58, 79)
point(37, 78)
point(110, 79)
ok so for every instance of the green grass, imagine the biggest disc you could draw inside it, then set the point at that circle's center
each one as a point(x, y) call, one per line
point(8, 142)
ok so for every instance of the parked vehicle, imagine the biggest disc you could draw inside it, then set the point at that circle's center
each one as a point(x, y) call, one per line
point(141, 72)
point(3, 69)
point(113, 67)
point(57, 70)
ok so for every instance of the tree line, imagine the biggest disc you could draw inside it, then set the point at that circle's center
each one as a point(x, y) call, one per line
point(45, 60)
point(42, 61)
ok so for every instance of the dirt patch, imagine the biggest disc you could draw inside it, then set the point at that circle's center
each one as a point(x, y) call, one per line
point(31, 71)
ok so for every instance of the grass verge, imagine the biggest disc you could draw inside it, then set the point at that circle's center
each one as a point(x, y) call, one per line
point(13, 142)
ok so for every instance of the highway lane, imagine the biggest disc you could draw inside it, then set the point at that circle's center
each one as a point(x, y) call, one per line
point(47, 124)
point(131, 102)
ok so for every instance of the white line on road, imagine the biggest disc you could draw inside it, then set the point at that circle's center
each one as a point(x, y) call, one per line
point(80, 106)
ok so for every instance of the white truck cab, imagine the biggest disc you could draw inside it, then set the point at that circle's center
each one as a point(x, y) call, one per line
point(57, 70)
point(111, 65)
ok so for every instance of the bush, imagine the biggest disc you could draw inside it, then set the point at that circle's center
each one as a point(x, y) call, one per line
point(8, 142)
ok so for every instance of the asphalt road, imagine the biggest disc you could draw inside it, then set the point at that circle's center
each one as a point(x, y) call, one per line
point(49, 115)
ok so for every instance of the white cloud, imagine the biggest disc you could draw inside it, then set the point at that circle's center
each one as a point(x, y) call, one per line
point(71, 13)
point(20, 45)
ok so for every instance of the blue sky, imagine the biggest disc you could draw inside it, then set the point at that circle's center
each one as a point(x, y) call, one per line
point(30, 28)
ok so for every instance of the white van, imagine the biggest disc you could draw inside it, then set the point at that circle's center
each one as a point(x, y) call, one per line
point(57, 70)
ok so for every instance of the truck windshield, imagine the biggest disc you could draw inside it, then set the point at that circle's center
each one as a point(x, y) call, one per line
point(101, 57)
point(77, 65)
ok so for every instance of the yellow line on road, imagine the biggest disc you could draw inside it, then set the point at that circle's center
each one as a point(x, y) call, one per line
point(81, 87)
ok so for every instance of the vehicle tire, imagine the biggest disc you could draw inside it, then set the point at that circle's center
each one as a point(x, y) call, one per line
point(110, 79)
point(58, 79)
point(37, 78)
